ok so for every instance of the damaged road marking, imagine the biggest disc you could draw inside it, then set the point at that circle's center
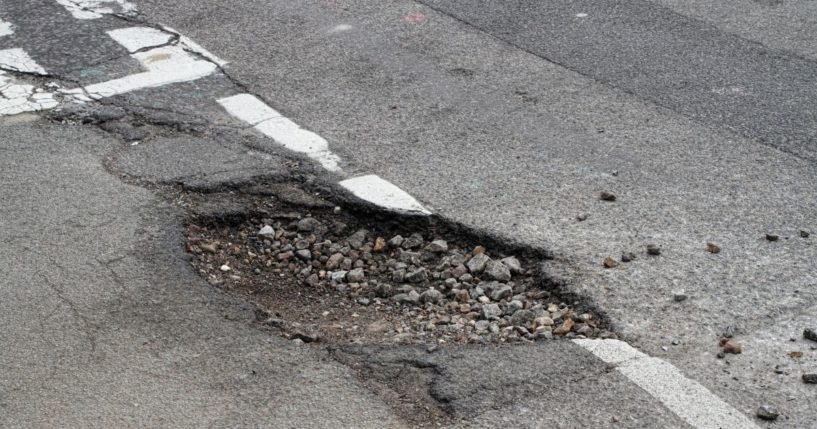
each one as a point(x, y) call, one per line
point(5, 28)
point(381, 192)
point(95, 9)
point(18, 60)
point(687, 398)
point(18, 98)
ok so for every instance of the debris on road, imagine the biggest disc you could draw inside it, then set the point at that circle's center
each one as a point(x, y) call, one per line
point(627, 256)
point(731, 346)
point(804, 234)
point(610, 262)
point(810, 334)
point(768, 412)
point(333, 277)
point(810, 378)
point(679, 296)
point(653, 250)
point(582, 217)
point(607, 196)
point(713, 248)
point(772, 237)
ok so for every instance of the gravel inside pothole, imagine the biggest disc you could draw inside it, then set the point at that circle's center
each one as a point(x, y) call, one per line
point(328, 277)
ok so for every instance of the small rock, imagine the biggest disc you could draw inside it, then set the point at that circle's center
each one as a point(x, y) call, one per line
point(266, 231)
point(384, 290)
point(713, 248)
point(396, 241)
point(564, 328)
point(804, 234)
point(357, 239)
point(298, 342)
point(810, 378)
point(610, 262)
point(484, 300)
point(482, 325)
point(304, 255)
point(339, 276)
point(543, 321)
point(465, 308)
point(479, 250)
point(810, 334)
point(653, 250)
point(522, 318)
point(582, 217)
point(379, 245)
point(627, 256)
point(285, 256)
point(209, 247)
point(364, 301)
point(224, 268)
point(459, 271)
point(407, 298)
point(413, 242)
point(334, 261)
point(431, 296)
point(497, 271)
point(606, 196)
point(308, 224)
point(768, 412)
point(502, 292)
point(491, 311)
point(356, 276)
point(478, 262)
point(732, 346)
point(417, 276)
point(679, 296)
point(772, 237)
point(437, 246)
point(513, 264)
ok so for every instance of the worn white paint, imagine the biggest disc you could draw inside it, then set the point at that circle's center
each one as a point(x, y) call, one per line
point(581, 15)
point(5, 28)
point(687, 398)
point(18, 60)
point(18, 98)
point(95, 9)
point(381, 192)
point(138, 38)
point(285, 132)
point(340, 28)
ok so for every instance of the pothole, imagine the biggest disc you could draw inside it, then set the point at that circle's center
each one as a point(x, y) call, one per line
point(330, 274)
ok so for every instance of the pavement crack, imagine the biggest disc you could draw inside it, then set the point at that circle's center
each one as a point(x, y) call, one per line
point(89, 326)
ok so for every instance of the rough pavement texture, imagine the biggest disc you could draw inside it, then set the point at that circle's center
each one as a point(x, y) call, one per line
point(104, 322)
point(529, 145)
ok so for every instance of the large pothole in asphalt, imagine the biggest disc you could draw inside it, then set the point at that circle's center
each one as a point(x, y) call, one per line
point(322, 273)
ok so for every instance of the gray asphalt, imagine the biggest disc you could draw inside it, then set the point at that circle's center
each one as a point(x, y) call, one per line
point(496, 136)
point(510, 119)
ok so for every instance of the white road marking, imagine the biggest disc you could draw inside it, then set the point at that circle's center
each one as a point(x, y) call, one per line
point(17, 98)
point(383, 193)
point(95, 9)
point(192, 46)
point(18, 60)
point(688, 399)
point(166, 65)
point(5, 28)
point(341, 28)
point(581, 15)
point(268, 121)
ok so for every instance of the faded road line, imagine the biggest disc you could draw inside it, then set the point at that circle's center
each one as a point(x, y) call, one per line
point(691, 401)
point(95, 9)
point(5, 28)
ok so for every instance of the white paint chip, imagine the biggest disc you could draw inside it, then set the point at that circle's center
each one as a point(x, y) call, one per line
point(5, 28)
point(687, 398)
point(95, 9)
point(18, 98)
point(581, 15)
point(383, 193)
point(18, 60)
point(340, 28)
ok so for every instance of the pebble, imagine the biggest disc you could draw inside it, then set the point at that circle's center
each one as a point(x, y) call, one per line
point(334, 261)
point(627, 256)
point(431, 296)
point(810, 378)
point(379, 245)
point(417, 276)
point(810, 334)
point(502, 292)
point(772, 237)
point(497, 271)
point(224, 268)
point(356, 276)
point(713, 248)
point(804, 234)
point(396, 241)
point(414, 241)
point(357, 239)
point(679, 296)
point(304, 255)
point(732, 346)
point(607, 196)
point(767, 412)
point(339, 276)
point(491, 311)
point(477, 263)
point(407, 298)
point(610, 262)
point(582, 217)
point(437, 246)
point(653, 250)
point(522, 318)
point(266, 231)
point(308, 224)
point(564, 328)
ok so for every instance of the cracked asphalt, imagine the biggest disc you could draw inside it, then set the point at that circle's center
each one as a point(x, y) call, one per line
point(509, 117)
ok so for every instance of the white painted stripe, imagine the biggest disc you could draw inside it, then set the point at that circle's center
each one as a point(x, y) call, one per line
point(18, 98)
point(383, 193)
point(18, 60)
point(248, 108)
point(687, 398)
point(95, 9)
point(274, 125)
point(5, 28)
point(136, 38)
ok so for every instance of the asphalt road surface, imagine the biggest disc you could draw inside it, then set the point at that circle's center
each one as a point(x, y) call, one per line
point(510, 117)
